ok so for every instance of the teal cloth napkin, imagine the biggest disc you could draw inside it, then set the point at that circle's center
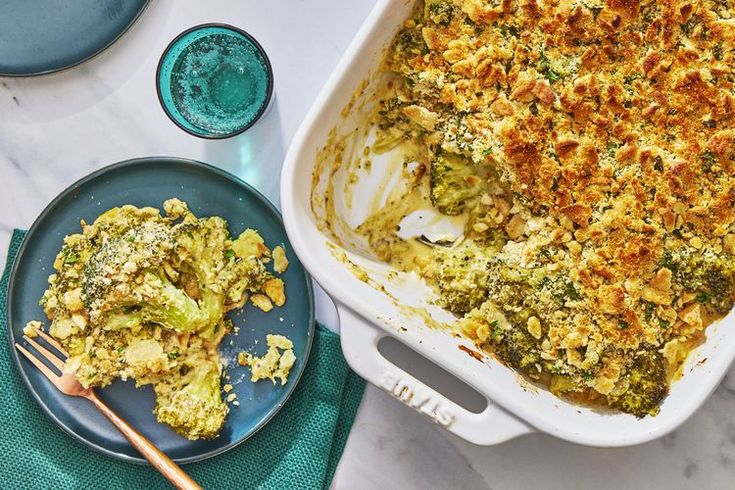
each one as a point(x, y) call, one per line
point(299, 448)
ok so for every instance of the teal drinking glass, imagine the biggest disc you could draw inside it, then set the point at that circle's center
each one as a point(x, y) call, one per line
point(214, 81)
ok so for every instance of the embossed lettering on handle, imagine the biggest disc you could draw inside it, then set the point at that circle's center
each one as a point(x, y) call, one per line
point(414, 396)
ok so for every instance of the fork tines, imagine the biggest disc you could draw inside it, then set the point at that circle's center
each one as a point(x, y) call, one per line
point(54, 359)
point(55, 343)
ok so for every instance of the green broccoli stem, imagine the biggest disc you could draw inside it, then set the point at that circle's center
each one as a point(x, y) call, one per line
point(213, 305)
point(172, 308)
point(192, 405)
point(455, 183)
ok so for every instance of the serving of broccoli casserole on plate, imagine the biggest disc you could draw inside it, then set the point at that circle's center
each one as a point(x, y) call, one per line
point(585, 152)
point(148, 292)
point(144, 296)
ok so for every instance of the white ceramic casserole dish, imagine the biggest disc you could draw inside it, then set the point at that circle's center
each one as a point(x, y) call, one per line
point(367, 314)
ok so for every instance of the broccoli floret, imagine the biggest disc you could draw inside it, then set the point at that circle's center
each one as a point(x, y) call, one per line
point(509, 340)
point(191, 404)
point(456, 183)
point(410, 41)
point(122, 255)
point(560, 287)
point(202, 249)
point(462, 276)
point(163, 303)
point(224, 271)
point(647, 385)
point(709, 275)
point(201, 246)
point(518, 348)
point(125, 277)
point(132, 275)
point(522, 292)
point(440, 12)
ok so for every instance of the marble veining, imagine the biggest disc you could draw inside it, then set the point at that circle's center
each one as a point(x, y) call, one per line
point(56, 129)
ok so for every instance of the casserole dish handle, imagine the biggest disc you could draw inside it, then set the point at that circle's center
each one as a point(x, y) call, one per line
point(360, 347)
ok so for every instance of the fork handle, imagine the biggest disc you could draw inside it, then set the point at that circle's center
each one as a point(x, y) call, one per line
point(155, 456)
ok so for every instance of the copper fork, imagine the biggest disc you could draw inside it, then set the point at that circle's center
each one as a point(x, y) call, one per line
point(68, 384)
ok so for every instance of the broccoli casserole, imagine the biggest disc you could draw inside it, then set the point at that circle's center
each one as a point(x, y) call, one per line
point(145, 296)
point(588, 149)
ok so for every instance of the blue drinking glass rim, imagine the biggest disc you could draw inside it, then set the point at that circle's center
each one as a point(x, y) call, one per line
point(269, 71)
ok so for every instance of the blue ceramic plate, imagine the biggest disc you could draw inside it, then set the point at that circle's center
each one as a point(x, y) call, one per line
point(208, 191)
point(43, 36)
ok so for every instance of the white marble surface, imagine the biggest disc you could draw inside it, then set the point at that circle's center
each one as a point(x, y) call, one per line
point(56, 129)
